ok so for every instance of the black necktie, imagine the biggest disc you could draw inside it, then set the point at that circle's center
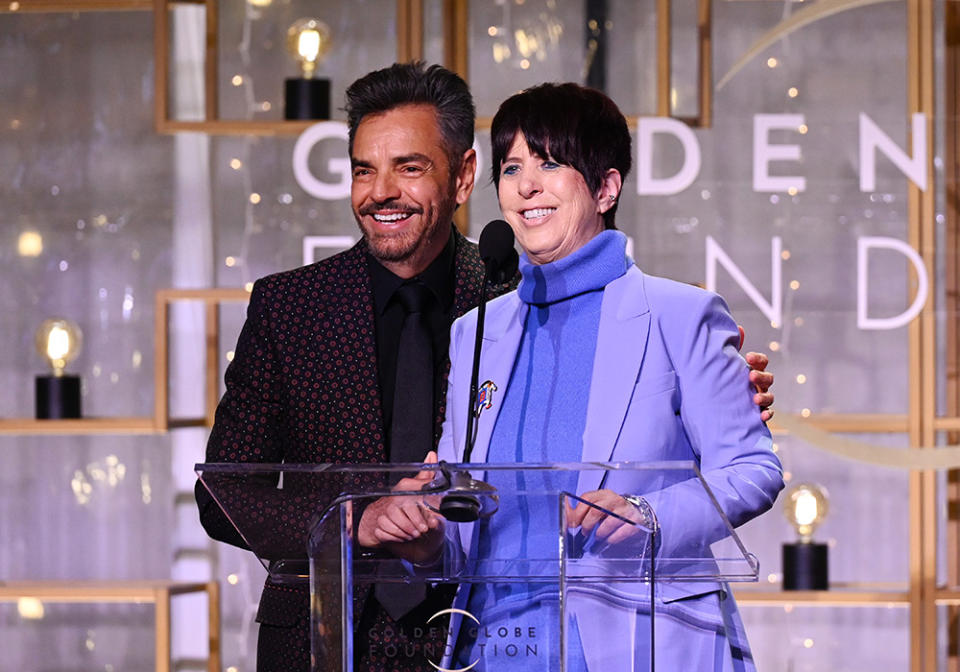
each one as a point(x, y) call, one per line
point(411, 431)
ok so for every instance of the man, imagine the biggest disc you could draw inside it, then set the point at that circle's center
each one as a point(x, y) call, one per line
point(315, 372)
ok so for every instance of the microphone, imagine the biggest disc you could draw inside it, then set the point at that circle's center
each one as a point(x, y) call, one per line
point(497, 252)
point(462, 504)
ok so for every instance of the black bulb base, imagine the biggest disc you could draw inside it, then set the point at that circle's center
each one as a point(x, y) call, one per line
point(306, 98)
point(57, 397)
point(805, 566)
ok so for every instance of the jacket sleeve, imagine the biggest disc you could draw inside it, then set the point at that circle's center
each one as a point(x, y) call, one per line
point(248, 422)
point(723, 427)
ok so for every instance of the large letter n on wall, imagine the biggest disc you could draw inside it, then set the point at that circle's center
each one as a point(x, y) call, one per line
point(872, 139)
point(772, 309)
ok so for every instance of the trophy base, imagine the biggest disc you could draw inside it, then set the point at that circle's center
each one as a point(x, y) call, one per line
point(57, 397)
point(306, 98)
point(805, 566)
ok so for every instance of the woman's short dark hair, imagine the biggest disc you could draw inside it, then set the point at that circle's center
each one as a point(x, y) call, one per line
point(411, 84)
point(574, 125)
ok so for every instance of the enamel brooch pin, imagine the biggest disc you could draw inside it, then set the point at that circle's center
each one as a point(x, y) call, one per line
point(485, 396)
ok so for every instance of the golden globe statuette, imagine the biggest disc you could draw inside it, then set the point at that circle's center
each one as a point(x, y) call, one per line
point(307, 96)
point(57, 396)
point(805, 561)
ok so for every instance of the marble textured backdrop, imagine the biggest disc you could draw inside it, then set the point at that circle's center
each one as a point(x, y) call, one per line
point(123, 212)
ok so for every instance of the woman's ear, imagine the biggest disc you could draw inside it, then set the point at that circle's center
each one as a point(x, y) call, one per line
point(609, 190)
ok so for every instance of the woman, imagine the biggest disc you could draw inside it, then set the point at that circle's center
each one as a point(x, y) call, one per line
point(664, 381)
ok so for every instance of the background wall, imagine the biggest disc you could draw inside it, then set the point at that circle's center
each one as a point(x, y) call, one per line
point(123, 212)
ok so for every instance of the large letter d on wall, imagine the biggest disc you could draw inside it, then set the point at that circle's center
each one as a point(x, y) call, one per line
point(865, 322)
point(647, 184)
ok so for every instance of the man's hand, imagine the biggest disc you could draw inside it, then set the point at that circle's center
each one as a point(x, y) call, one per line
point(608, 529)
point(402, 524)
point(760, 378)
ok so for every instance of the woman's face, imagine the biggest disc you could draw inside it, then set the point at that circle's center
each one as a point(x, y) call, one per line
point(548, 205)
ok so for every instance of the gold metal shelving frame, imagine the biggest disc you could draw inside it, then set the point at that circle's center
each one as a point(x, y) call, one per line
point(160, 422)
point(158, 593)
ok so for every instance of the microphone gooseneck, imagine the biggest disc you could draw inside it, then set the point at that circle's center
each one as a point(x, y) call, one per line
point(500, 262)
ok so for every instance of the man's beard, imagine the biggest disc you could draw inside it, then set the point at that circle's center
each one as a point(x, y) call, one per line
point(397, 245)
point(401, 245)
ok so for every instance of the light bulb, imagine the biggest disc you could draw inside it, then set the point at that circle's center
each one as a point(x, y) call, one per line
point(59, 342)
point(30, 244)
point(308, 41)
point(805, 506)
point(30, 608)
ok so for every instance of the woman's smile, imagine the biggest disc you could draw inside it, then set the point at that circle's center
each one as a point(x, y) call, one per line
point(548, 204)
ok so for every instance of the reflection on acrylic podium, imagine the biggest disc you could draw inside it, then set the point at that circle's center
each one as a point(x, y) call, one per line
point(527, 590)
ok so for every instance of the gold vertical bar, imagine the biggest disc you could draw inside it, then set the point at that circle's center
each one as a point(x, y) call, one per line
point(922, 355)
point(211, 64)
point(409, 30)
point(403, 32)
point(952, 306)
point(161, 610)
point(416, 29)
point(212, 360)
point(455, 42)
point(161, 354)
point(929, 344)
point(160, 65)
point(914, 413)
point(455, 56)
point(705, 59)
point(213, 619)
point(664, 107)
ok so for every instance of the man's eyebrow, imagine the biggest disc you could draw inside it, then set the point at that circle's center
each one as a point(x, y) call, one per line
point(412, 158)
point(355, 163)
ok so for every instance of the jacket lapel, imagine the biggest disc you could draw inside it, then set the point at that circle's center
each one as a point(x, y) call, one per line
point(501, 342)
point(621, 344)
point(467, 285)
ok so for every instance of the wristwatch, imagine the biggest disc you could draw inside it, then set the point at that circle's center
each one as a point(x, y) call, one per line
point(647, 516)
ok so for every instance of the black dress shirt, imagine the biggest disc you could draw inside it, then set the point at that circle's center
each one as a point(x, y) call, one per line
point(439, 279)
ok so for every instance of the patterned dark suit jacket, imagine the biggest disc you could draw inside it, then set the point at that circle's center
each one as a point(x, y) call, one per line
point(302, 388)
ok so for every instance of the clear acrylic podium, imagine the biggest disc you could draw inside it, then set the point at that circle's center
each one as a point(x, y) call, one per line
point(532, 592)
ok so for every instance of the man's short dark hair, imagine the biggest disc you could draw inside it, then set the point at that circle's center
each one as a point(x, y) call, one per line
point(574, 125)
point(416, 83)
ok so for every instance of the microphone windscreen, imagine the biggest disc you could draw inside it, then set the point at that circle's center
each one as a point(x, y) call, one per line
point(497, 251)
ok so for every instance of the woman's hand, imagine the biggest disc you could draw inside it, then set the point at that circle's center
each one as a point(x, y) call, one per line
point(608, 529)
point(402, 524)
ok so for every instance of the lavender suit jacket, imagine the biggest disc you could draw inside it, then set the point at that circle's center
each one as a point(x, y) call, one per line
point(668, 384)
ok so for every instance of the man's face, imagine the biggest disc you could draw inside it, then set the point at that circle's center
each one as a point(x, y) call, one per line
point(403, 190)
